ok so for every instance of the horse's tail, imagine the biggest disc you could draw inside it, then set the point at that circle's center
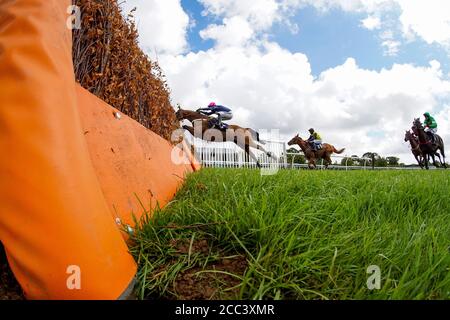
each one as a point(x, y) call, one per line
point(442, 146)
point(338, 151)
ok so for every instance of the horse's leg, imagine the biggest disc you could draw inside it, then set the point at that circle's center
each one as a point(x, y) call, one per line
point(312, 164)
point(441, 148)
point(439, 157)
point(247, 150)
point(189, 129)
point(328, 160)
point(254, 145)
point(426, 161)
point(434, 159)
point(418, 161)
point(261, 148)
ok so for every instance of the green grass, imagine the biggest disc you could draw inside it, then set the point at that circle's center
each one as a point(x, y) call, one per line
point(305, 234)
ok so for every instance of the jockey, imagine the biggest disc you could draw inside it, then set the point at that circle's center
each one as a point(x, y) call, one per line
point(430, 125)
point(315, 140)
point(223, 113)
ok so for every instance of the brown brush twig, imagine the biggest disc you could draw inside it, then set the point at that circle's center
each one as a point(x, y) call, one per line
point(109, 63)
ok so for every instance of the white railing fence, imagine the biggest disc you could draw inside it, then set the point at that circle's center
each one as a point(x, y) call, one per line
point(341, 166)
point(320, 163)
point(229, 155)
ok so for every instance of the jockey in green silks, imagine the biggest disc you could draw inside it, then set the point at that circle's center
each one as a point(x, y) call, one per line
point(430, 125)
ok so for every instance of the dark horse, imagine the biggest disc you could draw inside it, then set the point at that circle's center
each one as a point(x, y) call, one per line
point(324, 153)
point(245, 138)
point(427, 147)
point(415, 147)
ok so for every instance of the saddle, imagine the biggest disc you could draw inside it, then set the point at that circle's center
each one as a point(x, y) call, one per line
point(316, 147)
point(434, 138)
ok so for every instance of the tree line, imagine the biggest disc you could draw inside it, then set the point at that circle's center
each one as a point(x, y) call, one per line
point(373, 160)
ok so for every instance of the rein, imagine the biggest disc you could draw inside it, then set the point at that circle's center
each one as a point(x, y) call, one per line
point(419, 132)
point(414, 142)
point(307, 148)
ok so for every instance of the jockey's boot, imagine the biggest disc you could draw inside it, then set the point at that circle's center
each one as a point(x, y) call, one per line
point(212, 122)
point(220, 124)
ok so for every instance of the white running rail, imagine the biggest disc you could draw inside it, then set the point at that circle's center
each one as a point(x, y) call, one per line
point(229, 155)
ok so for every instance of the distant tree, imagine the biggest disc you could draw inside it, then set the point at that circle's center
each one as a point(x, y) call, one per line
point(393, 161)
point(373, 156)
point(347, 161)
point(357, 161)
point(381, 162)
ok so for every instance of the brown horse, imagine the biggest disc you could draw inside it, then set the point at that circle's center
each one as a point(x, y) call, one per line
point(242, 137)
point(415, 147)
point(427, 147)
point(311, 155)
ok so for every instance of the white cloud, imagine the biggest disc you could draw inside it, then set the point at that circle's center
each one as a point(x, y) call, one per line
point(260, 14)
point(371, 23)
point(391, 47)
point(273, 88)
point(270, 87)
point(428, 19)
point(235, 31)
point(254, 17)
point(162, 25)
point(369, 6)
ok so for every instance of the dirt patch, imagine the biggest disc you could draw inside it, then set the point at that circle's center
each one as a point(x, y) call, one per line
point(9, 287)
point(184, 246)
point(210, 281)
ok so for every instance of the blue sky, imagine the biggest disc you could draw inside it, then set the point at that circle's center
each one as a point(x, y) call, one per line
point(328, 39)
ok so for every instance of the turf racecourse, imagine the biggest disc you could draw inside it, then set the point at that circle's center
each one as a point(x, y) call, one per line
point(232, 234)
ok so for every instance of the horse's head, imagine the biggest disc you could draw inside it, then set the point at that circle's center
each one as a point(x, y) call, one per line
point(296, 140)
point(179, 114)
point(293, 140)
point(417, 124)
point(407, 135)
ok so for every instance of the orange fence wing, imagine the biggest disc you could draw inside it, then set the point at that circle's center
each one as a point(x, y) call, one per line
point(73, 168)
point(135, 166)
point(55, 225)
